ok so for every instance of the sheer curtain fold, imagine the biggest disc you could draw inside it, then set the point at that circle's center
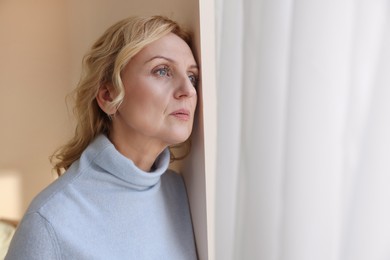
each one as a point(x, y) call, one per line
point(303, 130)
point(366, 226)
point(229, 75)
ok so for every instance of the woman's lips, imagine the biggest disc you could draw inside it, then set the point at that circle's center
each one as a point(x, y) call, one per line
point(182, 114)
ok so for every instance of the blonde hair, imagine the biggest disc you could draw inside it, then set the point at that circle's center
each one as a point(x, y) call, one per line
point(102, 65)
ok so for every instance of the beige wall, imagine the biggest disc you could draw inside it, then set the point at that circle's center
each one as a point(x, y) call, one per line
point(34, 67)
point(41, 46)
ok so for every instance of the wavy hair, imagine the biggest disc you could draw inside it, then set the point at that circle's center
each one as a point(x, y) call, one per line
point(102, 65)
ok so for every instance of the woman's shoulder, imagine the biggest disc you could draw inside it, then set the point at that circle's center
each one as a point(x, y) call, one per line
point(55, 194)
point(48, 194)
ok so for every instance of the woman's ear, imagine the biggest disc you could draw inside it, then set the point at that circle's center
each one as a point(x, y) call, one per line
point(104, 99)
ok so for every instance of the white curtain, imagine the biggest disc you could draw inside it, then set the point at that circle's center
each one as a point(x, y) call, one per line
point(303, 155)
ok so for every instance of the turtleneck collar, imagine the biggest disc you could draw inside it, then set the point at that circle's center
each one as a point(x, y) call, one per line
point(103, 153)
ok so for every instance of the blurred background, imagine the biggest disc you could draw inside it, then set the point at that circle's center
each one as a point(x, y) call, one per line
point(35, 76)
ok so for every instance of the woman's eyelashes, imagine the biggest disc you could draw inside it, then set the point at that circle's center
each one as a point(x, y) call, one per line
point(194, 79)
point(166, 71)
point(162, 71)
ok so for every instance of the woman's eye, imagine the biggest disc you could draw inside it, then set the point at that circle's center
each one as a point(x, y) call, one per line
point(193, 79)
point(162, 72)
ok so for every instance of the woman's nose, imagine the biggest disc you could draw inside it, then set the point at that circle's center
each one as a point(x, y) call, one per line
point(185, 87)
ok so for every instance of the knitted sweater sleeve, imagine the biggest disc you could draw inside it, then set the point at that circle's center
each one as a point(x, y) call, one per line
point(34, 239)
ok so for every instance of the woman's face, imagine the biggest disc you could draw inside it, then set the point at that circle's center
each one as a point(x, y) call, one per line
point(160, 93)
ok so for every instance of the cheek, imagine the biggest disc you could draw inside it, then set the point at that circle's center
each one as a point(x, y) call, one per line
point(147, 100)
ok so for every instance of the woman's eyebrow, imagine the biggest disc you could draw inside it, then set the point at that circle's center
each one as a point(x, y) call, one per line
point(160, 57)
point(194, 66)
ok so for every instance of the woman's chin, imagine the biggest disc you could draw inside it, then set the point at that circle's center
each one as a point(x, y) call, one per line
point(178, 139)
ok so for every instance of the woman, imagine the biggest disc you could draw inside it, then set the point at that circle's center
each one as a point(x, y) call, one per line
point(117, 200)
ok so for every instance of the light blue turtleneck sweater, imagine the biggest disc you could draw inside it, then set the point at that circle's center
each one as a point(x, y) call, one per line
point(104, 207)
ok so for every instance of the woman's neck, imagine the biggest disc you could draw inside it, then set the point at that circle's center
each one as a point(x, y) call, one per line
point(142, 151)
